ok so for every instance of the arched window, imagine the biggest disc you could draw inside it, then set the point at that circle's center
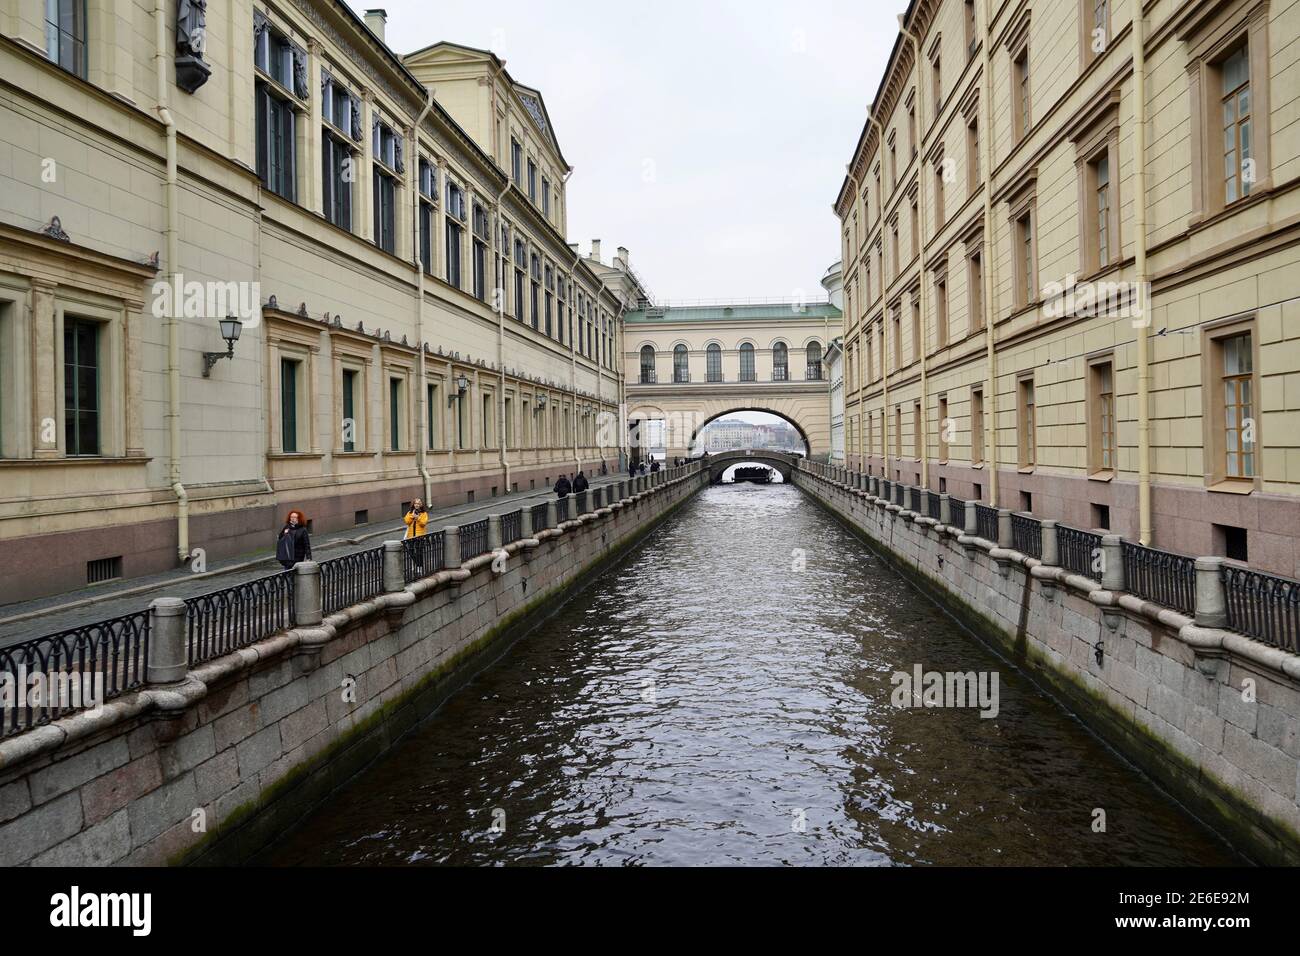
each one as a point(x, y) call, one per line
point(715, 363)
point(814, 361)
point(780, 363)
point(648, 365)
point(747, 363)
point(681, 365)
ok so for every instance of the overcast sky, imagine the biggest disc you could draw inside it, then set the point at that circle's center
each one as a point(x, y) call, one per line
point(708, 136)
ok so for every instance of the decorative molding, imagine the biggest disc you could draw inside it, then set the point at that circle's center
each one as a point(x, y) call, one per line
point(54, 229)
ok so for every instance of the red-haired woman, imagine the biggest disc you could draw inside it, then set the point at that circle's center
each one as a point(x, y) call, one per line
point(294, 546)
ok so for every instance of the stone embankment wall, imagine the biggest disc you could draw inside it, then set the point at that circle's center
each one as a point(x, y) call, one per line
point(1212, 716)
point(214, 764)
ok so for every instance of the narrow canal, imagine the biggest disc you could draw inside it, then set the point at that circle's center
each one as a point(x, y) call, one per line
point(706, 702)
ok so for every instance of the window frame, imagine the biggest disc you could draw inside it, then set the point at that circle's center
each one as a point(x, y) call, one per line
point(1098, 416)
point(1213, 404)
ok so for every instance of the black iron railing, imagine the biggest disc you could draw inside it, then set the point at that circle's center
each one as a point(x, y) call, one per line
point(512, 527)
point(580, 502)
point(887, 490)
point(1027, 535)
point(221, 623)
point(562, 510)
point(1160, 576)
point(986, 523)
point(1078, 551)
point(934, 506)
point(1263, 606)
point(77, 669)
point(957, 508)
point(914, 500)
point(422, 557)
point(350, 580)
point(473, 540)
point(540, 514)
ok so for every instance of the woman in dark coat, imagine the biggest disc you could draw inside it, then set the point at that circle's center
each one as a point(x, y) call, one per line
point(294, 545)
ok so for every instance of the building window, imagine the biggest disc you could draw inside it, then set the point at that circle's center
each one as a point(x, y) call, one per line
point(482, 234)
point(747, 372)
point(385, 200)
point(972, 155)
point(395, 414)
point(1235, 101)
point(521, 268)
point(489, 440)
point(455, 232)
point(546, 197)
point(275, 141)
point(898, 431)
point(975, 291)
point(1101, 209)
point(813, 358)
point(1020, 95)
point(647, 365)
point(428, 196)
point(1028, 425)
point(918, 336)
point(913, 142)
point(517, 163)
point(535, 290)
point(337, 161)
point(349, 410)
point(938, 196)
point(972, 29)
point(896, 264)
point(977, 427)
point(941, 310)
point(898, 337)
point(532, 181)
point(1026, 284)
point(1237, 364)
point(714, 357)
point(65, 34)
point(936, 78)
point(1096, 20)
point(81, 385)
point(915, 224)
point(1101, 417)
point(943, 429)
point(549, 298)
point(681, 365)
point(433, 417)
point(289, 405)
point(917, 431)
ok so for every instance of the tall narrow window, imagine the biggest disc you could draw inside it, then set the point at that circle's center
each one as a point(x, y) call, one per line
point(455, 233)
point(977, 426)
point(918, 336)
point(941, 311)
point(65, 34)
point(349, 410)
point(647, 365)
point(1101, 209)
point(482, 235)
point(898, 431)
point(747, 372)
point(81, 387)
point(535, 291)
point(943, 428)
point(714, 358)
point(1239, 406)
point(462, 420)
point(1025, 292)
point(972, 29)
point(289, 406)
point(915, 224)
point(1028, 425)
point(487, 415)
point(813, 359)
point(276, 123)
point(384, 198)
point(917, 431)
point(975, 292)
point(938, 196)
point(395, 414)
point(549, 273)
point(517, 163)
point(532, 181)
point(897, 331)
point(433, 417)
point(1101, 417)
point(681, 365)
point(1236, 125)
point(780, 362)
point(428, 196)
point(521, 279)
point(973, 155)
point(1020, 95)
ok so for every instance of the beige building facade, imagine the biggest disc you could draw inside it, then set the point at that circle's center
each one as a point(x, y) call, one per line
point(414, 320)
point(688, 366)
point(1071, 277)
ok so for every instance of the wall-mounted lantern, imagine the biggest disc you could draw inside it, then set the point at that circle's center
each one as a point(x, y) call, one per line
point(541, 403)
point(462, 386)
point(230, 329)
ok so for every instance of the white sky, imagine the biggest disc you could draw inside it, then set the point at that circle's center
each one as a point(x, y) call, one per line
point(708, 136)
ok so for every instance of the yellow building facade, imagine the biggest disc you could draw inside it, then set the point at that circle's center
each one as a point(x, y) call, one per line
point(414, 320)
point(1071, 277)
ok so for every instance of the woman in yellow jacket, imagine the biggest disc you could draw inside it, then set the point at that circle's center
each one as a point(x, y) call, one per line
point(417, 520)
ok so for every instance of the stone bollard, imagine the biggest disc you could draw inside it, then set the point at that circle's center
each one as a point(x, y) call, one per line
point(945, 510)
point(862, 482)
point(525, 523)
point(307, 595)
point(972, 528)
point(552, 514)
point(925, 503)
point(494, 533)
point(168, 659)
point(573, 506)
point(1112, 562)
point(1211, 595)
point(451, 548)
point(900, 494)
point(1006, 538)
point(1051, 552)
point(394, 566)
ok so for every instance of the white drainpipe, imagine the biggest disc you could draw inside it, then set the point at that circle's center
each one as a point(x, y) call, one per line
point(413, 184)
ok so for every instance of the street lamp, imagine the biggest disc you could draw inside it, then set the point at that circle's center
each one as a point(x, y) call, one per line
point(230, 329)
point(462, 386)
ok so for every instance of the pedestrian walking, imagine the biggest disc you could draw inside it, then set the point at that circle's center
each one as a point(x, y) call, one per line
point(417, 520)
point(563, 487)
point(580, 484)
point(294, 544)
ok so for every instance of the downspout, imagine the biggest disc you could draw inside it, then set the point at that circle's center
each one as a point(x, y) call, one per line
point(989, 262)
point(170, 199)
point(422, 451)
point(618, 324)
point(857, 386)
point(500, 295)
point(922, 346)
point(884, 339)
point(573, 353)
point(1140, 266)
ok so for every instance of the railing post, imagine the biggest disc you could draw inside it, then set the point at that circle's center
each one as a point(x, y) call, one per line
point(1211, 594)
point(972, 529)
point(451, 548)
point(525, 523)
point(552, 514)
point(394, 570)
point(494, 533)
point(1112, 562)
point(573, 506)
point(1051, 551)
point(1006, 538)
point(900, 494)
point(925, 503)
point(307, 595)
point(168, 659)
point(945, 510)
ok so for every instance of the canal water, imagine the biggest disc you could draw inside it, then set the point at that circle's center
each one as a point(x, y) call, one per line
point(723, 696)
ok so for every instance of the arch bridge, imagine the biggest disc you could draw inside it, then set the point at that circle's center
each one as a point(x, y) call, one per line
point(781, 462)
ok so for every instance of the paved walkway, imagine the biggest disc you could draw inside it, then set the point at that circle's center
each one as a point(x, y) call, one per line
point(49, 615)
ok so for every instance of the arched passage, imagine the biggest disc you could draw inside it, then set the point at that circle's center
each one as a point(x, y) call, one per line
point(695, 445)
point(685, 417)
